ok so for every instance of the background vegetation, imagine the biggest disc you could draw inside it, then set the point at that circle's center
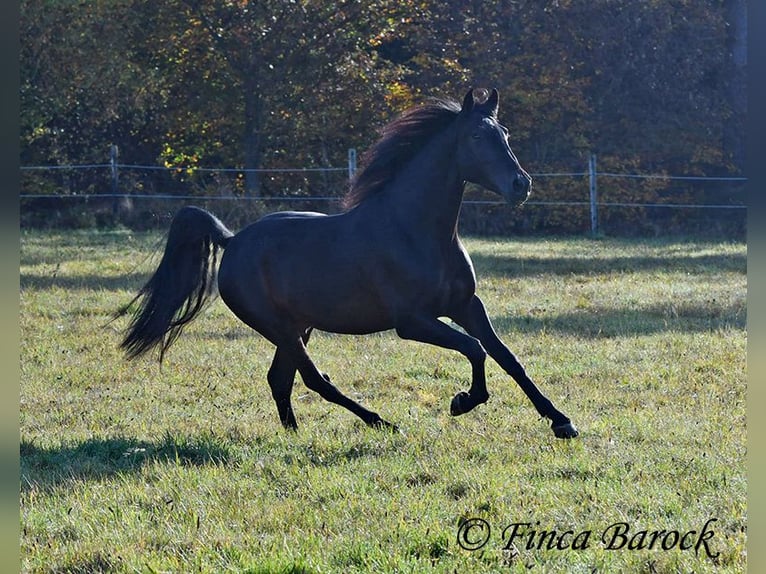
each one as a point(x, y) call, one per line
point(126, 467)
point(650, 87)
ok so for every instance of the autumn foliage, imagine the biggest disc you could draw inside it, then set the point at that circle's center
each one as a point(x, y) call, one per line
point(649, 87)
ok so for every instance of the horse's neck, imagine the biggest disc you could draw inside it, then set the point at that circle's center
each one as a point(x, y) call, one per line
point(428, 193)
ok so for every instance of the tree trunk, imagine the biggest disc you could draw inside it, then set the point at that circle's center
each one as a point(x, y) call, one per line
point(736, 85)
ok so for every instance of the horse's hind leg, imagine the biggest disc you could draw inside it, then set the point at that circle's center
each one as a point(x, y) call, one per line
point(281, 378)
point(320, 383)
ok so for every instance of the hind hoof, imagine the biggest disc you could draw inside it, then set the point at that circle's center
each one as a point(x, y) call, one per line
point(566, 430)
point(384, 425)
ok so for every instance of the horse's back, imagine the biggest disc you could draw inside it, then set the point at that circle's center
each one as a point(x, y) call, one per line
point(279, 239)
point(303, 265)
point(291, 215)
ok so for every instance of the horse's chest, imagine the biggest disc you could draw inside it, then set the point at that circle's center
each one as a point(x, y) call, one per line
point(448, 285)
point(459, 285)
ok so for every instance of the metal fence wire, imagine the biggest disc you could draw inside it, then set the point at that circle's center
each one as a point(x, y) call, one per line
point(592, 202)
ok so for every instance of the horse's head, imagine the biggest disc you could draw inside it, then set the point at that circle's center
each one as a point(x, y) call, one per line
point(484, 155)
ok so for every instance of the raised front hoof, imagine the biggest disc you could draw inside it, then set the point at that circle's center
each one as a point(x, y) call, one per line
point(462, 403)
point(566, 430)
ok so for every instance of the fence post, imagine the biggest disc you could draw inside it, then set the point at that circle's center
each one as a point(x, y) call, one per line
point(113, 154)
point(593, 195)
point(120, 205)
point(351, 163)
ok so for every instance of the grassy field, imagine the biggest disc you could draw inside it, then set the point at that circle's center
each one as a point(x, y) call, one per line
point(128, 467)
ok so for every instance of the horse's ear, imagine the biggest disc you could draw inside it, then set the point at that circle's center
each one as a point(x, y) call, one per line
point(493, 102)
point(468, 102)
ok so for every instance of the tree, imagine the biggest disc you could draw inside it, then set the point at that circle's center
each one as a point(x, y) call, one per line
point(655, 86)
point(736, 81)
point(83, 86)
point(281, 61)
point(641, 84)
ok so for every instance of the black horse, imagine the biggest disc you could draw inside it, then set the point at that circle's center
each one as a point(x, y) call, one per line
point(391, 260)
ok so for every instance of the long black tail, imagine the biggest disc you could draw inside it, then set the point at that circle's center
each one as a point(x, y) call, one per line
point(184, 281)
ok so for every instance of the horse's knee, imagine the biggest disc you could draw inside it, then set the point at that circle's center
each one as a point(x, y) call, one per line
point(476, 353)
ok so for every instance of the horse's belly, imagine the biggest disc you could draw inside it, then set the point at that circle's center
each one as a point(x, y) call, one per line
point(335, 308)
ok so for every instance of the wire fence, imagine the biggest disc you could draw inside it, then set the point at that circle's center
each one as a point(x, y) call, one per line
point(567, 201)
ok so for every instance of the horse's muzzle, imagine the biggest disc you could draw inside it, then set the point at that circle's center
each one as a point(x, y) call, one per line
point(519, 191)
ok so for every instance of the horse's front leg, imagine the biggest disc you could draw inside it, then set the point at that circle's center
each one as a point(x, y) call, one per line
point(473, 318)
point(434, 332)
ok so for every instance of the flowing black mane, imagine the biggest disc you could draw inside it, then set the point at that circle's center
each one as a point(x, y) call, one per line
point(400, 141)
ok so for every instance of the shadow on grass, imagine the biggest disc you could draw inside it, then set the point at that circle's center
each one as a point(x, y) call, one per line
point(350, 452)
point(39, 282)
point(100, 458)
point(104, 458)
point(510, 267)
point(598, 322)
point(492, 265)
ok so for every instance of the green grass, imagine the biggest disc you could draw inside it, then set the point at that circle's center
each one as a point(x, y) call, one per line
point(126, 467)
